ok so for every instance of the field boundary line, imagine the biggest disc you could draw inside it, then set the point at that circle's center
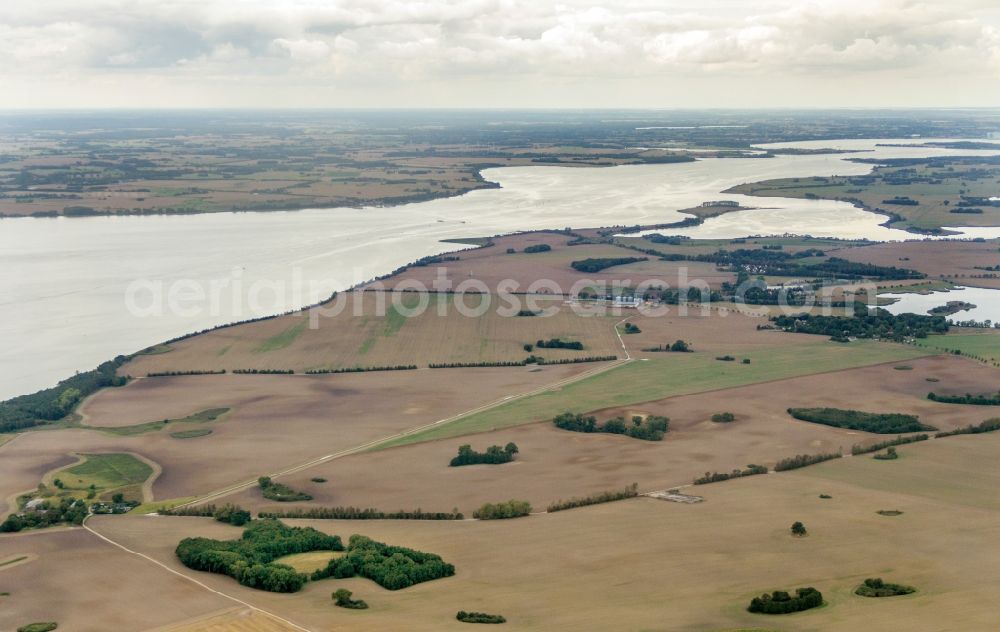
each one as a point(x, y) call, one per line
point(190, 579)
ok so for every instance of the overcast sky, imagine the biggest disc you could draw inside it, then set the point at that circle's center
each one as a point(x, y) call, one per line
point(498, 53)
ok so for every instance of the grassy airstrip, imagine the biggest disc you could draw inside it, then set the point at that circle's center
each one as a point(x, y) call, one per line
point(676, 374)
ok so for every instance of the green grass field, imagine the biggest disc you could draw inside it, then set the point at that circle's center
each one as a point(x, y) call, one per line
point(191, 434)
point(108, 473)
point(678, 374)
point(980, 345)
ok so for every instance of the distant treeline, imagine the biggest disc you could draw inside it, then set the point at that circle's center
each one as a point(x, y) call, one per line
point(595, 499)
point(975, 400)
point(864, 324)
point(264, 371)
point(363, 369)
point(714, 477)
point(875, 447)
point(188, 372)
point(525, 362)
point(652, 428)
point(357, 513)
point(879, 423)
point(53, 404)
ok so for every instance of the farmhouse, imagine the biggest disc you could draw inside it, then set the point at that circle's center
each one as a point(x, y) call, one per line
point(627, 301)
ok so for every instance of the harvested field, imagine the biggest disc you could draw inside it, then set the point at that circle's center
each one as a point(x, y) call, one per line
point(237, 620)
point(952, 260)
point(493, 264)
point(711, 557)
point(670, 374)
point(367, 340)
point(87, 585)
point(556, 464)
point(276, 421)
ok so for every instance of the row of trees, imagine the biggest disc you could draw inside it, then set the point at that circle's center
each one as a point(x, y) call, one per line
point(228, 513)
point(803, 460)
point(357, 513)
point(714, 477)
point(652, 428)
point(595, 499)
point(968, 398)
point(494, 455)
point(878, 423)
point(363, 369)
point(264, 371)
point(990, 425)
point(188, 372)
point(857, 449)
point(479, 617)
point(391, 567)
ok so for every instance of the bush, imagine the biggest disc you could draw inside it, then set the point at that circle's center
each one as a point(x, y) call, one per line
point(780, 602)
point(342, 598)
point(680, 346)
point(503, 511)
point(798, 529)
point(494, 455)
point(632, 329)
point(888, 455)
point(479, 617)
point(46, 626)
point(723, 418)
point(879, 423)
point(875, 587)
point(279, 492)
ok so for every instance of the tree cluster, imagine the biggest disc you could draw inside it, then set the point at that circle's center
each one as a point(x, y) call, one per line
point(537, 248)
point(279, 492)
point(49, 513)
point(391, 567)
point(592, 265)
point(878, 323)
point(878, 423)
point(780, 602)
point(652, 428)
point(250, 560)
point(494, 455)
point(342, 599)
point(503, 510)
point(559, 343)
point(875, 587)
point(230, 514)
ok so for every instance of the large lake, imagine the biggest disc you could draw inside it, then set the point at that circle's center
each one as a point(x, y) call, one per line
point(64, 282)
